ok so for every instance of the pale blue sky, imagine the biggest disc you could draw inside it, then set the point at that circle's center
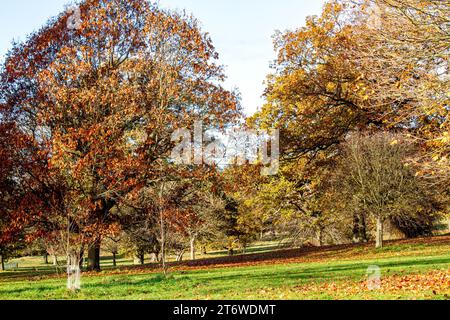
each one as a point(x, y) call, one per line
point(241, 30)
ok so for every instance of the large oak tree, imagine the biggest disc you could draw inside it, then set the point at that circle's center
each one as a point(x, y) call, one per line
point(101, 101)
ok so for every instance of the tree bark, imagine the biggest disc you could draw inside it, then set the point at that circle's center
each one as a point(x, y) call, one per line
point(320, 237)
point(46, 258)
point(163, 242)
point(94, 257)
point(193, 248)
point(2, 263)
point(359, 228)
point(180, 256)
point(142, 259)
point(364, 229)
point(155, 257)
point(380, 233)
point(81, 259)
point(114, 260)
point(55, 260)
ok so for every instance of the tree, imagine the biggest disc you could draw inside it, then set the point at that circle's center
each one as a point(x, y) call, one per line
point(342, 73)
point(102, 101)
point(12, 148)
point(375, 176)
point(403, 60)
point(315, 94)
point(293, 204)
point(204, 209)
point(112, 244)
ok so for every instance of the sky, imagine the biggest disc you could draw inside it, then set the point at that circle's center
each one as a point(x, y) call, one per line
point(241, 30)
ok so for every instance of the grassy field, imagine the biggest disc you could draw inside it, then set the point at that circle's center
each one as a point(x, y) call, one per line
point(417, 269)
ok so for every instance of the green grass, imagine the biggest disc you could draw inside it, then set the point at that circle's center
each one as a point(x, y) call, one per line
point(264, 281)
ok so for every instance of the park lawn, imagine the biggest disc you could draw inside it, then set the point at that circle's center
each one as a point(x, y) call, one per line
point(409, 271)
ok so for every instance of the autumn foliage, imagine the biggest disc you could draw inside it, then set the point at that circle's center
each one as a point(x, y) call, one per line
point(360, 92)
point(99, 103)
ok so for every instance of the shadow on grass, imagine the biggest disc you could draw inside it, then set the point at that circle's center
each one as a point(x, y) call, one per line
point(27, 273)
point(35, 291)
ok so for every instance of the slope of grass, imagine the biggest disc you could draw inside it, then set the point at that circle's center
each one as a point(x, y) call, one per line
point(410, 270)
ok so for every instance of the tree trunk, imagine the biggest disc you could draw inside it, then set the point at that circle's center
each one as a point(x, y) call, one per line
point(55, 260)
point(364, 229)
point(180, 256)
point(379, 240)
point(204, 251)
point(359, 228)
point(81, 259)
point(114, 260)
point(142, 259)
point(163, 243)
point(193, 248)
point(94, 257)
point(320, 237)
point(46, 258)
point(2, 263)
